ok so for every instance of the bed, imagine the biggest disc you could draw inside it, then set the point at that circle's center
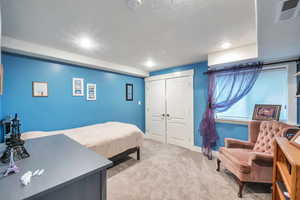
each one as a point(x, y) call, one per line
point(111, 139)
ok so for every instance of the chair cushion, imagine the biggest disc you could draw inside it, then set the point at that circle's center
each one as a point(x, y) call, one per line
point(238, 158)
point(267, 132)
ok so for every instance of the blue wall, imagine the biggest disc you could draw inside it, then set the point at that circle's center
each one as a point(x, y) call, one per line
point(200, 99)
point(61, 110)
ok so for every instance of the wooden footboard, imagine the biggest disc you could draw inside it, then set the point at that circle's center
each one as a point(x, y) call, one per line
point(117, 158)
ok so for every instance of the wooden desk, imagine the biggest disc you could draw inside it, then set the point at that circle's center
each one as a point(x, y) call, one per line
point(72, 172)
point(286, 171)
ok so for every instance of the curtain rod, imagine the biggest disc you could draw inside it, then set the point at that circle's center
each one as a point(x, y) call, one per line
point(264, 64)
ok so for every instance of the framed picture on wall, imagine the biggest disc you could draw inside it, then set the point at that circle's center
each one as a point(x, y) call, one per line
point(129, 92)
point(91, 92)
point(39, 89)
point(266, 112)
point(298, 89)
point(1, 79)
point(78, 88)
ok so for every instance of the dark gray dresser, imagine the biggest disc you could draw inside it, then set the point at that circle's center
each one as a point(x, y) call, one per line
point(72, 172)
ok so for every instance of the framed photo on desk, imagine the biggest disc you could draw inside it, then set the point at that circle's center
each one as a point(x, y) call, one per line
point(296, 140)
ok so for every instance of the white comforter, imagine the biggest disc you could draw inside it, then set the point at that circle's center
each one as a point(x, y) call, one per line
point(107, 139)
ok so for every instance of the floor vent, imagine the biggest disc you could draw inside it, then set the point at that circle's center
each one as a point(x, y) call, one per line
point(288, 9)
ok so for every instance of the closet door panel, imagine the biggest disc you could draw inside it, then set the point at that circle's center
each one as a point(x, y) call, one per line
point(179, 95)
point(156, 109)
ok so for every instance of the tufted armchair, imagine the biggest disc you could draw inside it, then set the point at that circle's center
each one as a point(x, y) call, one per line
point(252, 160)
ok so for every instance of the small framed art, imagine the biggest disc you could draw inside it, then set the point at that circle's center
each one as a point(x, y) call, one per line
point(266, 112)
point(91, 92)
point(39, 89)
point(78, 89)
point(129, 92)
point(298, 89)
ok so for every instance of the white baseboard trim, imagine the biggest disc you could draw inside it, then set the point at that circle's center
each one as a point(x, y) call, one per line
point(196, 149)
point(147, 136)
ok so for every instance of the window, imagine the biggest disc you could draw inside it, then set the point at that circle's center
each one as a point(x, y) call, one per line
point(271, 87)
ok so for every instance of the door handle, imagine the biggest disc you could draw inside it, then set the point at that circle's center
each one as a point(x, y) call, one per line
point(168, 115)
point(163, 115)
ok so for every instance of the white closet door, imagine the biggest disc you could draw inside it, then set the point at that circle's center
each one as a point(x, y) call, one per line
point(179, 95)
point(156, 110)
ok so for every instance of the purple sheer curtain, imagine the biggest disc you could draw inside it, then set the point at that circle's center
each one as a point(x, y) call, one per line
point(225, 88)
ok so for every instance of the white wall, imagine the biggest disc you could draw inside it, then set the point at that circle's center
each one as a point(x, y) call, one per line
point(292, 90)
point(231, 56)
point(31, 49)
point(276, 40)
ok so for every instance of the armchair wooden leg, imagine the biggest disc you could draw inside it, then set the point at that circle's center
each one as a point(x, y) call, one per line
point(218, 164)
point(138, 153)
point(241, 187)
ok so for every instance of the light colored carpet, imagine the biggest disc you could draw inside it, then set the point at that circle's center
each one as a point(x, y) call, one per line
point(168, 172)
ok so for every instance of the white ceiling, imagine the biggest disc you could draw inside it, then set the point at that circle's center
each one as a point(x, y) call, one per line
point(170, 34)
point(277, 40)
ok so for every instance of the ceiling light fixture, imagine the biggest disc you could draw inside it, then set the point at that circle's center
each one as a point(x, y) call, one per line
point(134, 4)
point(85, 42)
point(149, 63)
point(226, 45)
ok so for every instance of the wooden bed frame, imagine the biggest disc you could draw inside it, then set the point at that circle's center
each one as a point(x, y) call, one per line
point(121, 156)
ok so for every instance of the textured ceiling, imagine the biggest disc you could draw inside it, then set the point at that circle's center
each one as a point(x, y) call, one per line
point(169, 32)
